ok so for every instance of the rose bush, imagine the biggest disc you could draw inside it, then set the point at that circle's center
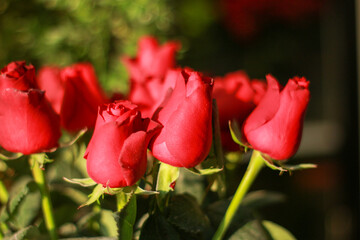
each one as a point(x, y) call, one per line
point(236, 97)
point(275, 126)
point(28, 124)
point(147, 71)
point(116, 154)
point(185, 139)
point(74, 93)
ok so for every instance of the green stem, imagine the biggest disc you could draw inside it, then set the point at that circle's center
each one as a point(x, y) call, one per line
point(47, 208)
point(4, 195)
point(255, 165)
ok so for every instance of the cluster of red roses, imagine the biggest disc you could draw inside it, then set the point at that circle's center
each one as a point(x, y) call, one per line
point(168, 110)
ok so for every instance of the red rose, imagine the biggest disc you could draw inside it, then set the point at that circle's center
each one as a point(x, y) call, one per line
point(152, 60)
point(150, 94)
point(147, 72)
point(28, 124)
point(275, 125)
point(74, 93)
point(17, 75)
point(185, 139)
point(236, 97)
point(116, 154)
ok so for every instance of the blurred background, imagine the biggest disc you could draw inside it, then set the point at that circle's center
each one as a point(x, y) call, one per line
point(311, 38)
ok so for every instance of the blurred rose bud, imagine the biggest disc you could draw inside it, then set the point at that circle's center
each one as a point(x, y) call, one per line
point(236, 97)
point(74, 93)
point(28, 124)
point(147, 72)
point(152, 60)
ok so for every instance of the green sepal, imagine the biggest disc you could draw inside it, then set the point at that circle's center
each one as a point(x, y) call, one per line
point(140, 191)
point(5, 155)
point(236, 134)
point(98, 191)
point(73, 140)
point(167, 176)
point(283, 167)
point(41, 158)
point(300, 166)
point(84, 182)
point(165, 183)
point(204, 172)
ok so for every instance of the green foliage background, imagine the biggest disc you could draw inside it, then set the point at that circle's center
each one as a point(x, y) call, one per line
point(62, 32)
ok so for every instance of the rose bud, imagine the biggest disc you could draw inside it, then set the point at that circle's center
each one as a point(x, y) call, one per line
point(185, 139)
point(236, 97)
point(275, 126)
point(28, 124)
point(74, 93)
point(147, 71)
point(116, 154)
point(17, 75)
point(152, 60)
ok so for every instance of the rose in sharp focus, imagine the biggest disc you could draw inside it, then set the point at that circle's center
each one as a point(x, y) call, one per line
point(275, 126)
point(74, 93)
point(116, 154)
point(28, 124)
point(185, 139)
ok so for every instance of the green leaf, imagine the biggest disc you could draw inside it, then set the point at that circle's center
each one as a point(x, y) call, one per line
point(125, 219)
point(216, 212)
point(277, 232)
point(98, 191)
point(186, 214)
point(107, 223)
point(85, 182)
point(156, 227)
point(253, 230)
point(23, 205)
point(28, 233)
point(193, 184)
point(261, 198)
point(261, 230)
